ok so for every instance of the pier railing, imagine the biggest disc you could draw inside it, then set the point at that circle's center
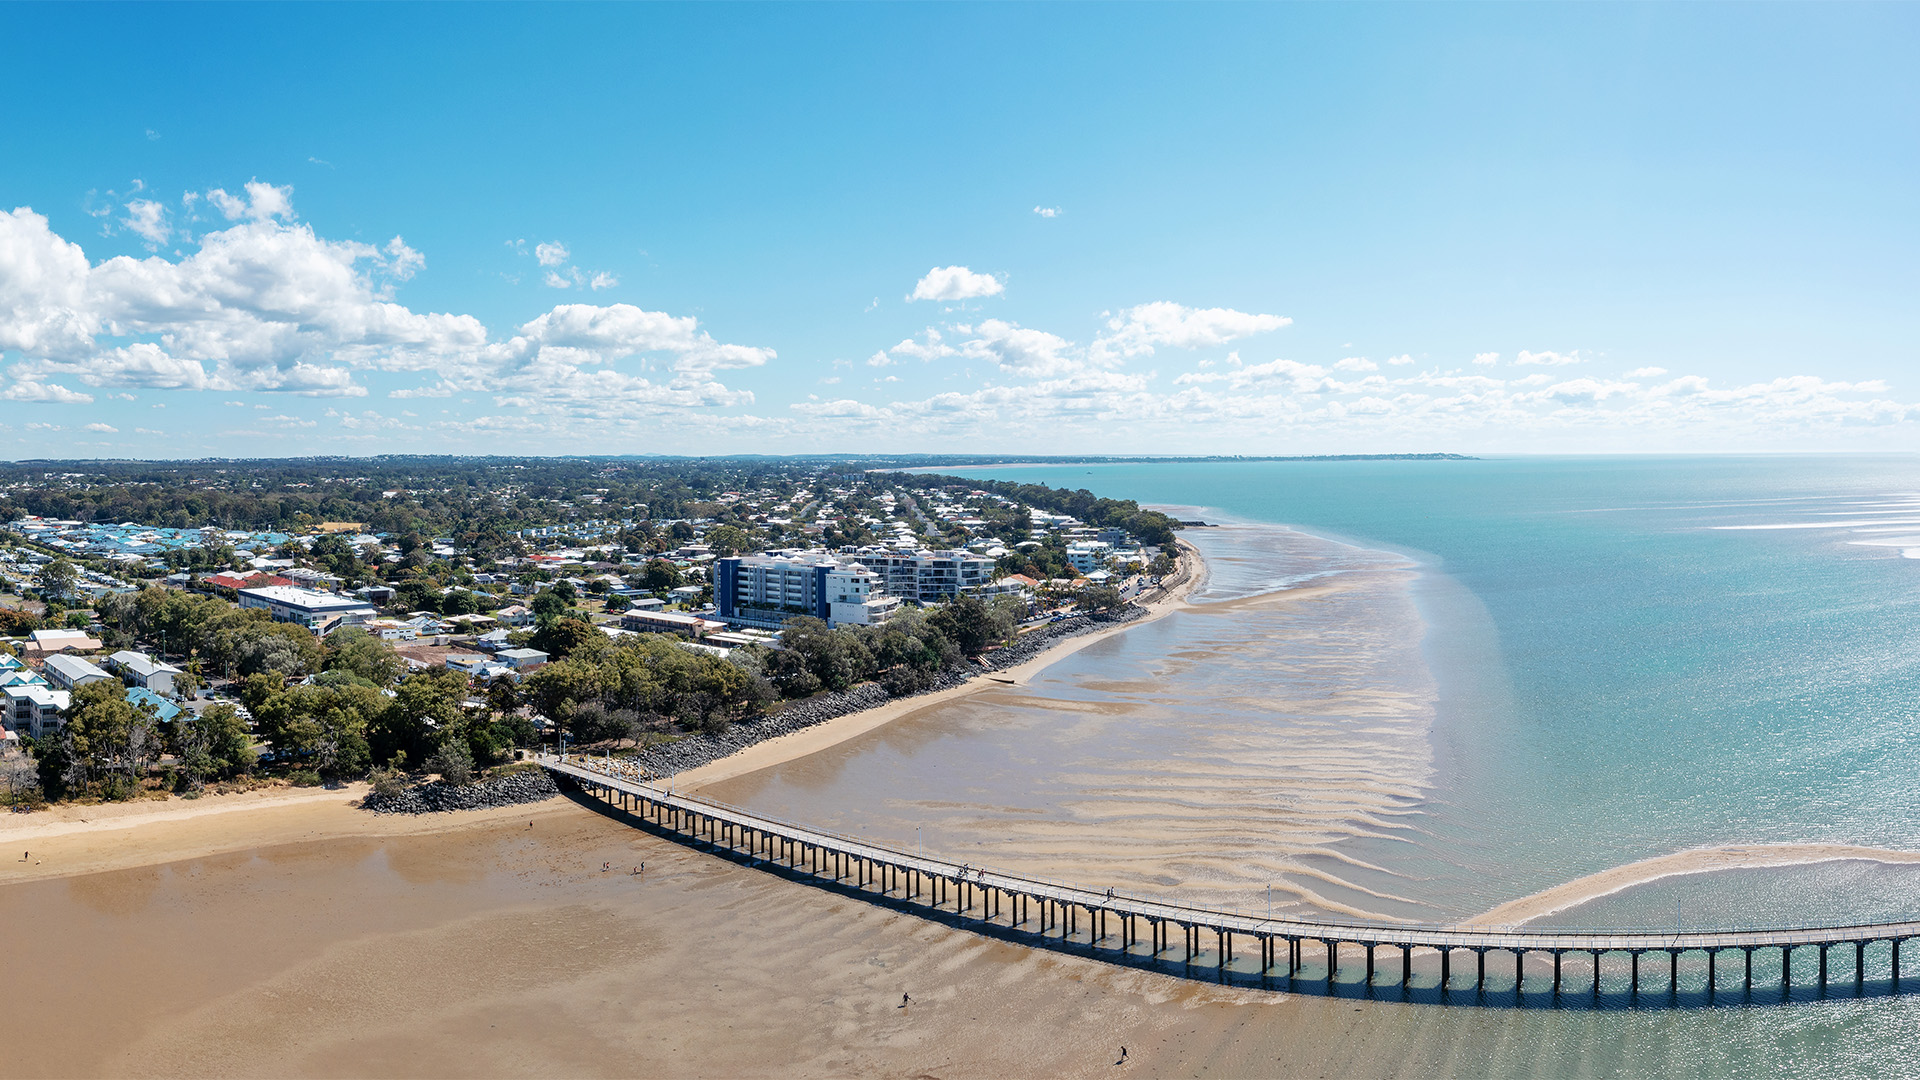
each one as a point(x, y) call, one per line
point(1142, 926)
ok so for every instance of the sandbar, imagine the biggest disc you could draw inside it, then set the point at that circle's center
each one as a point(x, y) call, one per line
point(1693, 861)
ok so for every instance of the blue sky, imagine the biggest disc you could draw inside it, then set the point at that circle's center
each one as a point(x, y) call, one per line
point(1178, 229)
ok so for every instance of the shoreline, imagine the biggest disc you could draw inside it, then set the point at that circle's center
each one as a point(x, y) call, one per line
point(72, 841)
point(1679, 864)
point(790, 746)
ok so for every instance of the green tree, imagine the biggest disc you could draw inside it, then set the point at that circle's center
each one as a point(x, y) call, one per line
point(453, 761)
point(565, 637)
point(111, 741)
point(837, 659)
point(660, 576)
point(549, 606)
point(557, 688)
point(973, 624)
point(424, 704)
point(327, 725)
point(58, 578)
point(352, 649)
point(221, 736)
point(503, 695)
point(725, 540)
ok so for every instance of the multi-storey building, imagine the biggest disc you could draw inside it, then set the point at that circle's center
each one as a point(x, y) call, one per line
point(35, 708)
point(928, 577)
point(1087, 556)
point(73, 672)
point(317, 611)
point(767, 590)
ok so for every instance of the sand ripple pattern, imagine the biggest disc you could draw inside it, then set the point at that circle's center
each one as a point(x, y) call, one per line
point(1241, 743)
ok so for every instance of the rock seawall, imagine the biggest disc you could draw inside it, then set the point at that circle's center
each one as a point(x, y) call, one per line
point(533, 785)
point(696, 750)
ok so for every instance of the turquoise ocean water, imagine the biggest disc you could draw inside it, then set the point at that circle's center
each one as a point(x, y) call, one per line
point(1634, 656)
point(1546, 668)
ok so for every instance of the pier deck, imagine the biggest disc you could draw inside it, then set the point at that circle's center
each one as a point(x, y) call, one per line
point(1118, 921)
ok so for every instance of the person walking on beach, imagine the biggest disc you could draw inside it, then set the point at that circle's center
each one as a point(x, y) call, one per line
point(1123, 1056)
point(905, 1001)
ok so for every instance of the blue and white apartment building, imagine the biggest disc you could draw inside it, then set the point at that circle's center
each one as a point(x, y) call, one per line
point(766, 590)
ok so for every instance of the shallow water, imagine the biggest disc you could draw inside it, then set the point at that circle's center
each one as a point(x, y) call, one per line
point(1617, 659)
point(1631, 657)
point(1249, 742)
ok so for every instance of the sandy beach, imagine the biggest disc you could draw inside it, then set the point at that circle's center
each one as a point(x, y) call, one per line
point(483, 947)
point(1192, 573)
point(285, 933)
point(66, 840)
point(73, 840)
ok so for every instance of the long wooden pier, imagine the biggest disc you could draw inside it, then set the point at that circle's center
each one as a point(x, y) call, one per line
point(1142, 930)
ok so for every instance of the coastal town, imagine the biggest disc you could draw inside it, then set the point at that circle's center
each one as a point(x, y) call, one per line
point(143, 657)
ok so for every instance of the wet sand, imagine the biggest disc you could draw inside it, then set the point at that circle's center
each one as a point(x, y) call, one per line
point(487, 949)
point(812, 740)
point(1229, 755)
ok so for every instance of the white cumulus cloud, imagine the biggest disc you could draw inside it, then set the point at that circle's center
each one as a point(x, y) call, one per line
point(50, 392)
point(956, 283)
point(267, 304)
point(1138, 330)
point(261, 202)
point(552, 254)
point(148, 220)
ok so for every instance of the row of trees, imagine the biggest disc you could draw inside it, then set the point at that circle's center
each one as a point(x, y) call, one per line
point(1150, 526)
point(906, 653)
point(221, 637)
point(109, 745)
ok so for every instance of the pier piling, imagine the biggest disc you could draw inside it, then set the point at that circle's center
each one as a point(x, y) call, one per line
point(983, 897)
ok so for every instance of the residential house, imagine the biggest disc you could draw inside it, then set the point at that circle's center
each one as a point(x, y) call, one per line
point(47, 642)
point(515, 615)
point(163, 710)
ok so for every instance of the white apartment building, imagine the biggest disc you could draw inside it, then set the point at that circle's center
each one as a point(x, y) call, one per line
point(929, 577)
point(311, 609)
point(1087, 556)
point(767, 590)
point(35, 708)
point(144, 670)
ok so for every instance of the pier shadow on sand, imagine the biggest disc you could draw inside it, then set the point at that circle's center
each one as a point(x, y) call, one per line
point(1578, 990)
